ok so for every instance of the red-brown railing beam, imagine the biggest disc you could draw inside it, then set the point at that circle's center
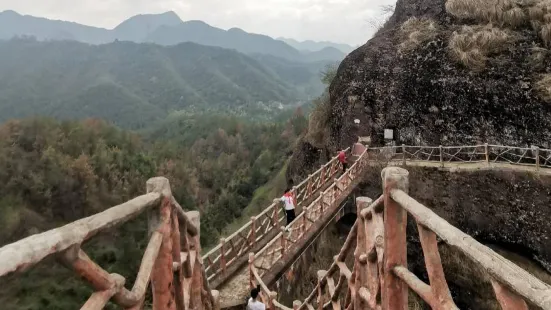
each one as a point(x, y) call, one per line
point(409, 279)
point(507, 299)
point(395, 291)
point(162, 277)
point(98, 300)
point(178, 275)
point(77, 259)
point(439, 286)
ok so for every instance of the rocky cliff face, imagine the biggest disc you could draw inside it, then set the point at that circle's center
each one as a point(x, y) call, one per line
point(443, 73)
point(454, 72)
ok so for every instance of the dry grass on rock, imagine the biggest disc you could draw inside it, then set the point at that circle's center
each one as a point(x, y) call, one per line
point(473, 44)
point(543, 86)
point(416, 31)
point(538, 56)
point(511, 13)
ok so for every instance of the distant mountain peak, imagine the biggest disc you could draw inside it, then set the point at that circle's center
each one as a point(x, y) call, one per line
point(314, 46)
point(138, 27)
point(235, 29)
point(10, 12)
point(169, 18)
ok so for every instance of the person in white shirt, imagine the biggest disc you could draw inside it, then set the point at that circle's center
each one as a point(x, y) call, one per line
point(254, 304)
point(289, 202)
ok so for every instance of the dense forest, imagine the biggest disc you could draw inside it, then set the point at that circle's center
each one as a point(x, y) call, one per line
point(56, 172)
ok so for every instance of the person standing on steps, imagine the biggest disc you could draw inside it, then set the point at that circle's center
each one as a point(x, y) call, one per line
point(289, 202)
point(253, 303)
point(342, 159)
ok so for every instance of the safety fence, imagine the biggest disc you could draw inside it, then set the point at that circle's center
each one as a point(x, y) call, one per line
point(263, 261)
point(171, 260)
point(234, 249)
point(380, 279)
point(485, 153)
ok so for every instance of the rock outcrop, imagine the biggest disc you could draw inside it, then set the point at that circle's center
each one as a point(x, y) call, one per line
point(442, 78)
point(451, 73)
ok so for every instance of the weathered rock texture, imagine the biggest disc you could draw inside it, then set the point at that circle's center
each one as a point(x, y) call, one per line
point(430, 97)
point(416, 84)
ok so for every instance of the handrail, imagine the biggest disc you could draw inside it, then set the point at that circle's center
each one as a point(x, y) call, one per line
point(502, 270)
point(219, 259)
point(380, 261)
point(174, 257)
point(304, 224)
point(536, 157)
point(28, 251)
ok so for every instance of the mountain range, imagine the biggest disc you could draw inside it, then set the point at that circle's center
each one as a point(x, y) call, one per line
point(168, 29)
point(309, 45)
point(133, 85)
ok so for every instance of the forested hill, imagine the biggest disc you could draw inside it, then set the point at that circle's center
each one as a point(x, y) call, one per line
point(133, 85)
point(54, 172)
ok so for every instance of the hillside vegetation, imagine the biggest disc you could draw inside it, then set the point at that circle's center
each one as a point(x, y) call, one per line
point(133, 85)
point(57, 172)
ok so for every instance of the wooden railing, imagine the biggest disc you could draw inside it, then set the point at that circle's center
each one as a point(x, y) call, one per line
point(171, 260)
point(485, 153)
point(262, 262)
point(380, 278)
point(233, 250)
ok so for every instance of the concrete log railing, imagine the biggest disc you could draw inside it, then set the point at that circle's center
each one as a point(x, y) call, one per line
point(232, 252)
point(380, 279)
point(171, 261)
point(261, 263)
point(476, 156)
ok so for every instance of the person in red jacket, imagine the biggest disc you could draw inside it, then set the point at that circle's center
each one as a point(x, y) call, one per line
point(342, 159)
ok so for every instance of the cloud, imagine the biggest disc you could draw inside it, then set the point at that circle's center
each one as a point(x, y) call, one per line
point(335, 20)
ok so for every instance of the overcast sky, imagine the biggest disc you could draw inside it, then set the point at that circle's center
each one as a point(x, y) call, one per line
point(343, 21)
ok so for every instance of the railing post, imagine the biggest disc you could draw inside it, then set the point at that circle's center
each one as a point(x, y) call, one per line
point(251, 274)
point(283, 240)
point(322, 202)
point(296, 304)
point(223, 255)
point(537, 158)
point(322, 175)
point(321, 293)
point(294, 193)
point(309, 188)
point(272, 296)
point(160, 219)
point(216, 297)
point(253, 231)
point(441, 156)
point(487, 153)
point(403, 154)
point(177, 258)
point(197, 276)
point(304, 222)
point(275, 216)
point(361, 248)
point(395, 291)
